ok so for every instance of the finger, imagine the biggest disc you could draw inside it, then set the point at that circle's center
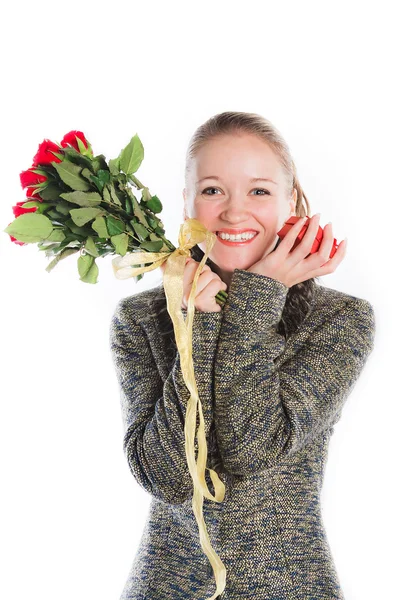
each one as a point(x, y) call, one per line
point(207, 295)
point(289, 239)
point(303, 249)
point(204, 278)
point(190, 271)
point(322, 257)
point(325, 247)
point(310, 235)
point(331, 265)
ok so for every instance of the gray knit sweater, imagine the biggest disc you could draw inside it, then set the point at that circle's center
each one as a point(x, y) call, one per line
point(272, 404)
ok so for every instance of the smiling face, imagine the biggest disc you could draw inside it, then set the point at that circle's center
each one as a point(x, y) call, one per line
point(221, 194)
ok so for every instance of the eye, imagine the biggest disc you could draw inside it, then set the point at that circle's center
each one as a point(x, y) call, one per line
point(262, 190)
point(209, 188)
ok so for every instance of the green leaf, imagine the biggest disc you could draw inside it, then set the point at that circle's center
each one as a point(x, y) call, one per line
point(81, 233)
point(104, 176)
point(151, 221)
point(71, 240)
point(120, 243)
point(114, 195)
point(66, 252)
point(30, 228)
point(154, 204)
point(54, 214)
point(51, 192)
point(106, 194)
point(81, 145)
point(83, 198)
point(56, 236)
point(132, 156)
point(99, 225)
point(99, 162)
point(128, 204)
point(137, 210)
point(114, 226)
point(70, 174)
point(88, 270)
point(113, 165)
point(40, 172)
point(63, 207)
point(85, 261)
point(41, 206)
point(152, 246)
point(90, 247)
point(78, 158)
point(87, 174)
point(80, 216)
point(146, 194)
point(101, 179)
point(97, 182)
point(141, 231)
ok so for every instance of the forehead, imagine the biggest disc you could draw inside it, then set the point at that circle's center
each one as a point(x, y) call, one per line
point(239, 155)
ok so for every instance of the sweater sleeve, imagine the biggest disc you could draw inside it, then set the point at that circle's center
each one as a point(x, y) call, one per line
point(264, 413)
point(154, 412)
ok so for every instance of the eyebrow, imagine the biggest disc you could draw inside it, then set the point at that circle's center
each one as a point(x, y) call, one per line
point(254, 179)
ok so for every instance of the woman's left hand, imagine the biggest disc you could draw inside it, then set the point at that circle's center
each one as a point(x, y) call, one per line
point(299, 265)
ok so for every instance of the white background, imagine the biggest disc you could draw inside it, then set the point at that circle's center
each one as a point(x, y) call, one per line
point(325, 74)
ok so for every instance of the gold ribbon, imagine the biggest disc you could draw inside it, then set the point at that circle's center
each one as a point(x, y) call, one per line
point(191, 232)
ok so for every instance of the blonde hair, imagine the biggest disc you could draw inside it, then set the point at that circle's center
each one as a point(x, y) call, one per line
point(251, 123)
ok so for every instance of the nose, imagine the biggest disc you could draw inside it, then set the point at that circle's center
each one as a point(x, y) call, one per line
point(235, 210)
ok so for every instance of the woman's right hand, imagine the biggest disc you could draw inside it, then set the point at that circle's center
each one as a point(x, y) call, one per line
point(208, 286)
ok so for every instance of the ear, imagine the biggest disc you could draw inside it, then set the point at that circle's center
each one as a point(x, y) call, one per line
point(185, 215)
point(293, 203)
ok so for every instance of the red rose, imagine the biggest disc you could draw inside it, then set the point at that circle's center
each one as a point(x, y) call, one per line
point(18, 210)
point(13, 239)
point(69, 139)
point(44, 155)
point(29, 178)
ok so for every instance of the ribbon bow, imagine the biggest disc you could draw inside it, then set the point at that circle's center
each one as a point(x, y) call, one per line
point(191, 232)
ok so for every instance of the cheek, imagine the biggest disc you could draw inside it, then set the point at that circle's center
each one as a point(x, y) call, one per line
point(268, 215)
point(206, 213)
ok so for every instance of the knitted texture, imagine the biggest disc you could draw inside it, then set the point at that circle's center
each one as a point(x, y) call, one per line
point(269, 407)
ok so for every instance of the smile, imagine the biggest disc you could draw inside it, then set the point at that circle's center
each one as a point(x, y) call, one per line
point(228, 242)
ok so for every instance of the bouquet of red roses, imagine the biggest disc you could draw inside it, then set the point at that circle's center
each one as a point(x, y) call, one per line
point(78, 202)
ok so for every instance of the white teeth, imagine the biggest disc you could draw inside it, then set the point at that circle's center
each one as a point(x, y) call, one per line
point(238, 237)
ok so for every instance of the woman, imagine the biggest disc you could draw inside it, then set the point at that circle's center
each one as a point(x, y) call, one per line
point(273, 370)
